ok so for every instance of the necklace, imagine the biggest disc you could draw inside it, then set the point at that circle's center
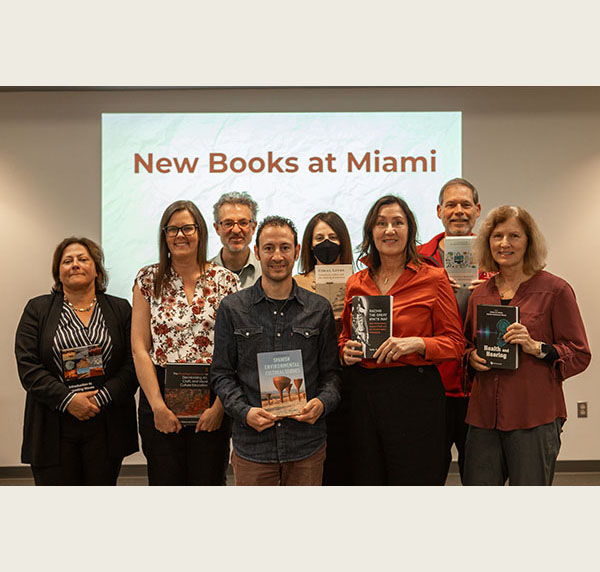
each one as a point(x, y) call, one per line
point(386, 279)
point(87, 309)
point(510, 288)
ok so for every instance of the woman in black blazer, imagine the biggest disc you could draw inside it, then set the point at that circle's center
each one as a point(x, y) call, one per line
point(77, 432)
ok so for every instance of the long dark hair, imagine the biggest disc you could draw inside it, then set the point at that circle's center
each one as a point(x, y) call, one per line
point(369, 253)
point(164, 260)
point(307, 257)
point(96, 253)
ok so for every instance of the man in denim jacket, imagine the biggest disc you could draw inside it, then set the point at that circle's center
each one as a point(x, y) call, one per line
point(273, 315)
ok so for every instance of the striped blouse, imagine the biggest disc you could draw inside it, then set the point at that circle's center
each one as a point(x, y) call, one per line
point(71, 333)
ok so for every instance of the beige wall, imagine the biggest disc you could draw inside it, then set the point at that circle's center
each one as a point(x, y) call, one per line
point(539, 148)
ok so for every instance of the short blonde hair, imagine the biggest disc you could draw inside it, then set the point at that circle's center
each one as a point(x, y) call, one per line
point(536, 251)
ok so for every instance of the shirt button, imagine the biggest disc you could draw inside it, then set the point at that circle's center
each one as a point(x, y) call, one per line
point(306, 334)
point(275, 313)
point(279, 424)
point(281, 314)
point(278, 335)
point(247, 333)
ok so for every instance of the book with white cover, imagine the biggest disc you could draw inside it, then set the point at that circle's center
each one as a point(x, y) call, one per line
point(330, 282)
point(459, 261)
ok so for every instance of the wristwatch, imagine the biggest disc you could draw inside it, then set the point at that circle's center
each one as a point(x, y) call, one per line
point(544, 349)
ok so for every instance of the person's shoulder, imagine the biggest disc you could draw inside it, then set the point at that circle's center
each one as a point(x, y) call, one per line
point(549, 281)
point(220, 274)
point(41, 301)
point(148, 271)
point(429, 248)
point(115, 300)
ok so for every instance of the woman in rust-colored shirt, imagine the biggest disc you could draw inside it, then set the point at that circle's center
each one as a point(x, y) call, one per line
point(398, 408)
point(516, 416)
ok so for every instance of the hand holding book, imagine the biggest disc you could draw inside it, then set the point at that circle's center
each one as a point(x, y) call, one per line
point(394, 348)
point(519, 334)
point(352, 352)
point(211, 418)
point(82, 406)
point(165, 420)
point(311, 411)
point(260, 419)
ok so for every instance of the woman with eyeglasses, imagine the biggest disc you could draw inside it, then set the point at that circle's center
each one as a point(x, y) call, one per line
point(175, 303)
point(398, 407)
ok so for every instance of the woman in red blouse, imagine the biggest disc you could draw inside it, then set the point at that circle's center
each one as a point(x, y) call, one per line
point(398, 404)
point(516, 416)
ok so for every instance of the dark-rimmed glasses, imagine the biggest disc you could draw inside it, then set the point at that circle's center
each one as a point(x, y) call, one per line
point(228, 224)
point(186, 229)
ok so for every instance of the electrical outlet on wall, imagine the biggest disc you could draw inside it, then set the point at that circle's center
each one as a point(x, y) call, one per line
point(582, 409)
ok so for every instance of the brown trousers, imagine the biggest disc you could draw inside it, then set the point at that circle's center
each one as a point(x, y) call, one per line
point(307, 472)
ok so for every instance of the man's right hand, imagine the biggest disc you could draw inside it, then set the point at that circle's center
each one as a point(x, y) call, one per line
point(165, 420)
point(82, 407)
point(260, 419)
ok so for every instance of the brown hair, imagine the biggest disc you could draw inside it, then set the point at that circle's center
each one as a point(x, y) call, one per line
point(94, 250)
point(307, 257)
point(275, 220)
point(164, 260)
point(369, 252)
point(535, 253)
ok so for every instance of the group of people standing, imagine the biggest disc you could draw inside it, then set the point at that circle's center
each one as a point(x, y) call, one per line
point(390, 420)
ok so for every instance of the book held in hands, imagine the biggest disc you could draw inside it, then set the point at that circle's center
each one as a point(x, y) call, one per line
point(459, 261)
point(371, 322)
point(281, 378)
point(330, 282)
point(82, 367)
point(187, 392)
point(492, 322)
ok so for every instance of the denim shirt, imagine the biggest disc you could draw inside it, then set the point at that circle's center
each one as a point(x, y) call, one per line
point(248, 323)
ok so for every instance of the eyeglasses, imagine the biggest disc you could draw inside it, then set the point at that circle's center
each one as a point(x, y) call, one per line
point(186, 229)
point(228, 224)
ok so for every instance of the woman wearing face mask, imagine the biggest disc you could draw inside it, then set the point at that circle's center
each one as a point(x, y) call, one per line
point(326, 241)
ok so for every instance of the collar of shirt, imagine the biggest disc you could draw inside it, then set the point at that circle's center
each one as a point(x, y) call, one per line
point(258, 294)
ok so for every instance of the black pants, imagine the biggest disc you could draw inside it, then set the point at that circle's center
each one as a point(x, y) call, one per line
point(337, 469)
point(398, 426)
point(456, 432)
point(184, 458)
point(84, 456)
point(523, 456)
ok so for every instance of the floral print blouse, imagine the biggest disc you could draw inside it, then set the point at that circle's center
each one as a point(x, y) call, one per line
point(183, 332)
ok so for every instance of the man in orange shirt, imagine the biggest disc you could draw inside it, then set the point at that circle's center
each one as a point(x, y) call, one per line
point(458, 209)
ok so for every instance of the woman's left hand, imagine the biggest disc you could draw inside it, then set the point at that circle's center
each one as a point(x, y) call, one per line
point(211, 418)
point(394, 348)
point(518, 334)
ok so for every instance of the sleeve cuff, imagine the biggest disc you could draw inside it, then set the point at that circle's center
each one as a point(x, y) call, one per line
point(103, 397)
point(62, 406)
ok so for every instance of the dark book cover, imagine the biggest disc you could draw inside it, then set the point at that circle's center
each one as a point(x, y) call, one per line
point(187, 392)
point(371, 322)
point(82, 368)
point(281, 378)
point(492, 322)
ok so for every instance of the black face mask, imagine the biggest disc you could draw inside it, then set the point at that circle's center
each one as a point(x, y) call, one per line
point(326, 251)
